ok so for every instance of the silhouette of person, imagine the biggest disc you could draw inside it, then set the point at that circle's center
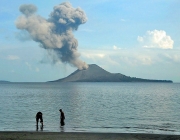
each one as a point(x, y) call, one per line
point(62, 117)
point(39, 116)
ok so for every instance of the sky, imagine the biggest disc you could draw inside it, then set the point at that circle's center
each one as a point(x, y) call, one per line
point(135, 38)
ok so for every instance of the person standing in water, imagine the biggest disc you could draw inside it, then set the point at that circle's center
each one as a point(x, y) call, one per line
point(62, 117)
point(39, 116)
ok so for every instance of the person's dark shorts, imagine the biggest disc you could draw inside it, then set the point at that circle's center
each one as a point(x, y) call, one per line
point(39, 117)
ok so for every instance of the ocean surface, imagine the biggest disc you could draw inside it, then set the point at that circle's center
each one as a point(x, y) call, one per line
point(92, 107)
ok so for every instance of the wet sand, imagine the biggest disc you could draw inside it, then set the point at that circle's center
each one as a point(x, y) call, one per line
point(82, 136)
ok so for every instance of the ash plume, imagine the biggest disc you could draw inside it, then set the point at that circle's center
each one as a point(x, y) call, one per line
point(55, 34)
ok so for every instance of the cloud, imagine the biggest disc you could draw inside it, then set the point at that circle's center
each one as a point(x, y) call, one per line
point(140, 39)
point(37, 69)
point(123, 20)
point(132, 57)
point(55, 34)
point(94, 55)
point(87, 30)
point(114, 57)
point(12, 57)
point(156, 39)
point(116, 48)
point(28, 65)
point(172, 57)
point(31, 67)
point(12, 71)
point(145, 59)
point(98, 57)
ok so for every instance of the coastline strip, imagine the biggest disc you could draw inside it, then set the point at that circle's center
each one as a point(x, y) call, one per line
point(22, 135)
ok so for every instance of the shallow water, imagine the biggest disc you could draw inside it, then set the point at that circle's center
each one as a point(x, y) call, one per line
point(92, 107)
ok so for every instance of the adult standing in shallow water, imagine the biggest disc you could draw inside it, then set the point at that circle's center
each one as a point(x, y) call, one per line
point(39, 116)
point(62, 117)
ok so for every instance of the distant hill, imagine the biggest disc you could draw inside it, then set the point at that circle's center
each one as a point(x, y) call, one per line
point(94, 73)
point(3, 81)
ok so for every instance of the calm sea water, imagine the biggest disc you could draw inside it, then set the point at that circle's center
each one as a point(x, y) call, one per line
point(92, 107)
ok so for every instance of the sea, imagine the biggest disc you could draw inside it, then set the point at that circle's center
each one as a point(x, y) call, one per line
point(106, 107)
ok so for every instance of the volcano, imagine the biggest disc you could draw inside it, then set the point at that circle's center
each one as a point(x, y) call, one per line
point(94, 73)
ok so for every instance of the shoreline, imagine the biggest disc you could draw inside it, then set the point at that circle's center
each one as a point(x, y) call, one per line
point(31, 135)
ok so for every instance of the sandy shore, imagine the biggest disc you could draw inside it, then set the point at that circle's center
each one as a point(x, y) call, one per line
point(82, 136)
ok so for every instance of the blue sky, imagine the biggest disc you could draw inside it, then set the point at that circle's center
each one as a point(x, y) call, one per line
point(136, 38)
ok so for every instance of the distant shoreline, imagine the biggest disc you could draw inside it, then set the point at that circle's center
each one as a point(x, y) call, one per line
point(4, 81)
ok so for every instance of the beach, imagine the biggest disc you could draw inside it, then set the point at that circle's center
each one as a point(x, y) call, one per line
point(83, 136)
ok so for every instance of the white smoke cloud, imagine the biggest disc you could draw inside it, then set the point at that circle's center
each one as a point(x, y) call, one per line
point(28, 9)
point(156, 39)
point(56, 33)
